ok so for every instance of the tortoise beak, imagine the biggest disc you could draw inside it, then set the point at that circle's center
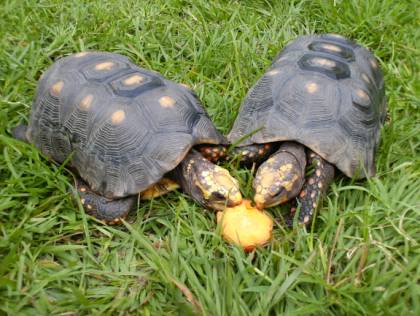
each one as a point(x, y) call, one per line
point(234, 199)
point(259, 201)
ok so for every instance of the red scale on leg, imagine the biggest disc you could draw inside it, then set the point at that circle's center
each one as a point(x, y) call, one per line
point(314, 188)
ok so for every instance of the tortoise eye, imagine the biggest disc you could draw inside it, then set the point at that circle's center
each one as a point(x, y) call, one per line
point(217, 196)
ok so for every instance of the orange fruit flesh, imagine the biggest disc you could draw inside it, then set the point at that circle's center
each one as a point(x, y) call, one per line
point(245, 225)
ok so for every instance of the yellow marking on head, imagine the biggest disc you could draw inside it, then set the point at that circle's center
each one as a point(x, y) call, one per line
point(86, 102)
point(132, 80)
point(311, 87)
point(273, 72)
point(332, 47)
point(286, 168)
point(289, 184)
point(117, 117)
point(167, 102)
point(362, 94)
point(56, 88)
point(82, 201)
point(267, 179)
point(89, 206)
point(81, 54)
point(106, 65)
point(323, 62)
point(225, 180)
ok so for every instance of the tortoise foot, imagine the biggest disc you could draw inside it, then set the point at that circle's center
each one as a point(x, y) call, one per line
point(108, 210)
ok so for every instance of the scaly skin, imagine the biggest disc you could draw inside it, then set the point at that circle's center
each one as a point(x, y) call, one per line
point(313, 190)
point(248, 155)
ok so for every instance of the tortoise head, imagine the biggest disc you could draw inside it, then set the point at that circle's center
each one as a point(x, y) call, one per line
point(277, 180)
point(211, 185)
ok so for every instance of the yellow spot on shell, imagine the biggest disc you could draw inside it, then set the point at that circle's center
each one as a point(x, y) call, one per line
point(117, 117)
point(323, 62)
point(336, 35)
point(331, 47)
point(133, 80)
point(107, 65)
point(318, 173)
point(311, 87)
point(82, 189)
point(82, 201)
point(81, 54)
point(56, 88)
point(273, 72)
point(306, 219)
point(86, 102)
point(167, 102)
point(89, 206)
point(373, 63)
point(362, 94)
point(320, 185)
point(365, 78)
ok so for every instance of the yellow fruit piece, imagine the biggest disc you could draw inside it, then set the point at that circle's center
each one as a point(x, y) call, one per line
point(245, 226)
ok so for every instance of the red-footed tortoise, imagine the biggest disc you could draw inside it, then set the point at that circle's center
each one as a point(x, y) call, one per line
point(321, 103)
point(126, 128)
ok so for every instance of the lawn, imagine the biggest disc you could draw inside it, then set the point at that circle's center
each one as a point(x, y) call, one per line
point(362, 256)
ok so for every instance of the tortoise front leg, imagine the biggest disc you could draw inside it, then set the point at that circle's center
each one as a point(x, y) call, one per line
point(108, 210)
point(247, 155)
point(313, 190)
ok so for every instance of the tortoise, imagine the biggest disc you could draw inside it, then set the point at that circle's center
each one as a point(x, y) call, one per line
point(321, 103)
point(129, 130)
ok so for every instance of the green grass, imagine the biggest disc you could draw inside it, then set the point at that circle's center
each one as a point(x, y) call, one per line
point(361, 258)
